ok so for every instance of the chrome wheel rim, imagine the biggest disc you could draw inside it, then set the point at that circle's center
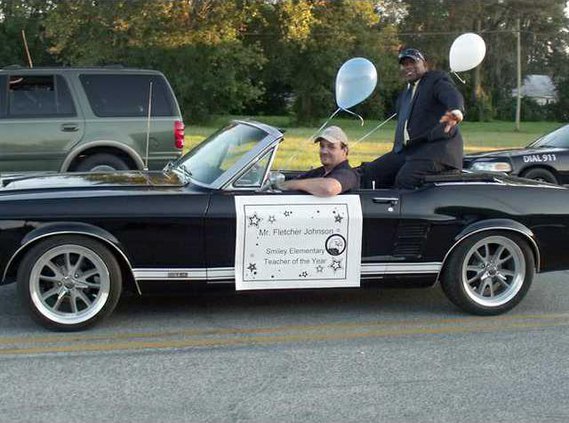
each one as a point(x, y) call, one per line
point(493, 271)
point(69, 284)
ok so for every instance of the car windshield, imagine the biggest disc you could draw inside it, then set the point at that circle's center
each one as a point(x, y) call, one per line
point(219, 152)
point(557, 138)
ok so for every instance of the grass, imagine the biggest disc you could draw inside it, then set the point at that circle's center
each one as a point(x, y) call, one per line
point(296, 152)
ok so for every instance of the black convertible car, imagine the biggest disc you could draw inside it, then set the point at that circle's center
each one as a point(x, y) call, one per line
point(545, 159)
point(75, 242)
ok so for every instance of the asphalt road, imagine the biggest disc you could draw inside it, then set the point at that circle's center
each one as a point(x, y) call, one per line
point(326, 356)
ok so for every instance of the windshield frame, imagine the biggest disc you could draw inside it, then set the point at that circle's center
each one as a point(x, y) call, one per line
point(271, 140)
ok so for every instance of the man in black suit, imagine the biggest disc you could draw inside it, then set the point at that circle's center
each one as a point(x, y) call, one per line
point(427, 138)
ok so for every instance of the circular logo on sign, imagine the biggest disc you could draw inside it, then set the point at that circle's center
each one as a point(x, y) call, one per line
point(335, 244)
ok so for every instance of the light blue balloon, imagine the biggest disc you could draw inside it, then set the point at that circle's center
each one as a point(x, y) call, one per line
point(355, 81)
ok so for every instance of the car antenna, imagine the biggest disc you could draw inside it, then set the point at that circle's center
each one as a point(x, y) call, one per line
point(27, 49)
point(148, 125)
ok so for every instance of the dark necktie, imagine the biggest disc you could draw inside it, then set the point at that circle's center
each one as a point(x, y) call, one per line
point(404, 111)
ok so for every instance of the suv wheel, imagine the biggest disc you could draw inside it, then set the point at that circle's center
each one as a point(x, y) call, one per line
point(102, 162)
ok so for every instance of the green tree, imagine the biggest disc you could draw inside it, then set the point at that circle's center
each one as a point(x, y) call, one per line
point(197, 44)
point(23, 15)
point(433, 25)
point(306, 42)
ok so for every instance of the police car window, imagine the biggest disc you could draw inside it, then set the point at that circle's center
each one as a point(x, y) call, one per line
point(38, 96)
point(557, 138)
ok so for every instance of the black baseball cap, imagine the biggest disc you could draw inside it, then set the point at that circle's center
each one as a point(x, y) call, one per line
point(411, 53)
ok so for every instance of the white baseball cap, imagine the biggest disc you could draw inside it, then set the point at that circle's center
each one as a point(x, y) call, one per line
point(333, 134)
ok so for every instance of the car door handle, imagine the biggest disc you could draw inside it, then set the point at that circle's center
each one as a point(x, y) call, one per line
point(69, 127)
point(386, 200)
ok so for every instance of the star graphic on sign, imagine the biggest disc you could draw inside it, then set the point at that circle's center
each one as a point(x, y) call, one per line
point(252, 267)
point(338, 218)
point(303, 274)
point(272, 219)
point(336, 264)
point(254, 220)
point(319, 269)
point(287, 213)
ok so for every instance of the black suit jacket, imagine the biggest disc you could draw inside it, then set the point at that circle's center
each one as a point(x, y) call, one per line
point(435, 95)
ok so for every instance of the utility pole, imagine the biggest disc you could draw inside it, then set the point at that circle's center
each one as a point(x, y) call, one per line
point(519, 69)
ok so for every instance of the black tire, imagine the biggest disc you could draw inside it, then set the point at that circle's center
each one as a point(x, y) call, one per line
point(489, 273)
point(540, 174)
point(69, 283)
point(102, 162)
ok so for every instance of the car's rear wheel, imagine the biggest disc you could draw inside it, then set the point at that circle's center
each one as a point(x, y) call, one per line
point(539, 174)
point(102, 162)
point(69, 282)
point(489, 273)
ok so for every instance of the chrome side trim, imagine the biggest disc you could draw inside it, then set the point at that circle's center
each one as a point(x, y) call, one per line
point(220, 273)
point(399, 268)
point(106, 241)
point(494, 228)
point(228, 273)
point(170, 274)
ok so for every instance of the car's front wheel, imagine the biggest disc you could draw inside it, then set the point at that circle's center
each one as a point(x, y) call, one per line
point(69, 282)
point(489, 273)
point(542, 175)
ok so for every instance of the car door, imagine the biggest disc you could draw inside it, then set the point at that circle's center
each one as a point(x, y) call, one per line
point(381, 213)
point(39, 124)
point(381, 209)
point(219, 232)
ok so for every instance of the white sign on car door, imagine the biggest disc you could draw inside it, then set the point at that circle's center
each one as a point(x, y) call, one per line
point(297, 241)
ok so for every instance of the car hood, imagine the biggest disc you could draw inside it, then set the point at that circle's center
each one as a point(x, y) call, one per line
point(511, 152)
point(41, 181)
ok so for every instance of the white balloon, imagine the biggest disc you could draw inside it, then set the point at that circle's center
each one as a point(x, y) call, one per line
point(355, 81)
point(466, 52)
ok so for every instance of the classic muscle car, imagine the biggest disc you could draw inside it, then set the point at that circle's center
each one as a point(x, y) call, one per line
point(74, 242)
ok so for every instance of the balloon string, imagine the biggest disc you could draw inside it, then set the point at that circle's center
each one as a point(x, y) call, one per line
point(355, 114)
point(312, 136)
point(375, 129)
point(459, 78)
point(324, 124)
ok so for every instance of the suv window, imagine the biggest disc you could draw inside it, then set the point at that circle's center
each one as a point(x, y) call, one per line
point(38, 96)
point(127, 95)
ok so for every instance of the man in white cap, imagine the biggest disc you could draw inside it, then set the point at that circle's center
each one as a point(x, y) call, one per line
point(335, 175)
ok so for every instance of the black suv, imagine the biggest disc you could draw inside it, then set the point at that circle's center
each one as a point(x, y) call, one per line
point(87, 119)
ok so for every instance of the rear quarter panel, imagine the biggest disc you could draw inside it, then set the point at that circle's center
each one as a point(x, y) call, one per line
point(450, 209)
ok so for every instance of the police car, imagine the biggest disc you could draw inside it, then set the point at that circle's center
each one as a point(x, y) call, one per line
point(546, 159)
